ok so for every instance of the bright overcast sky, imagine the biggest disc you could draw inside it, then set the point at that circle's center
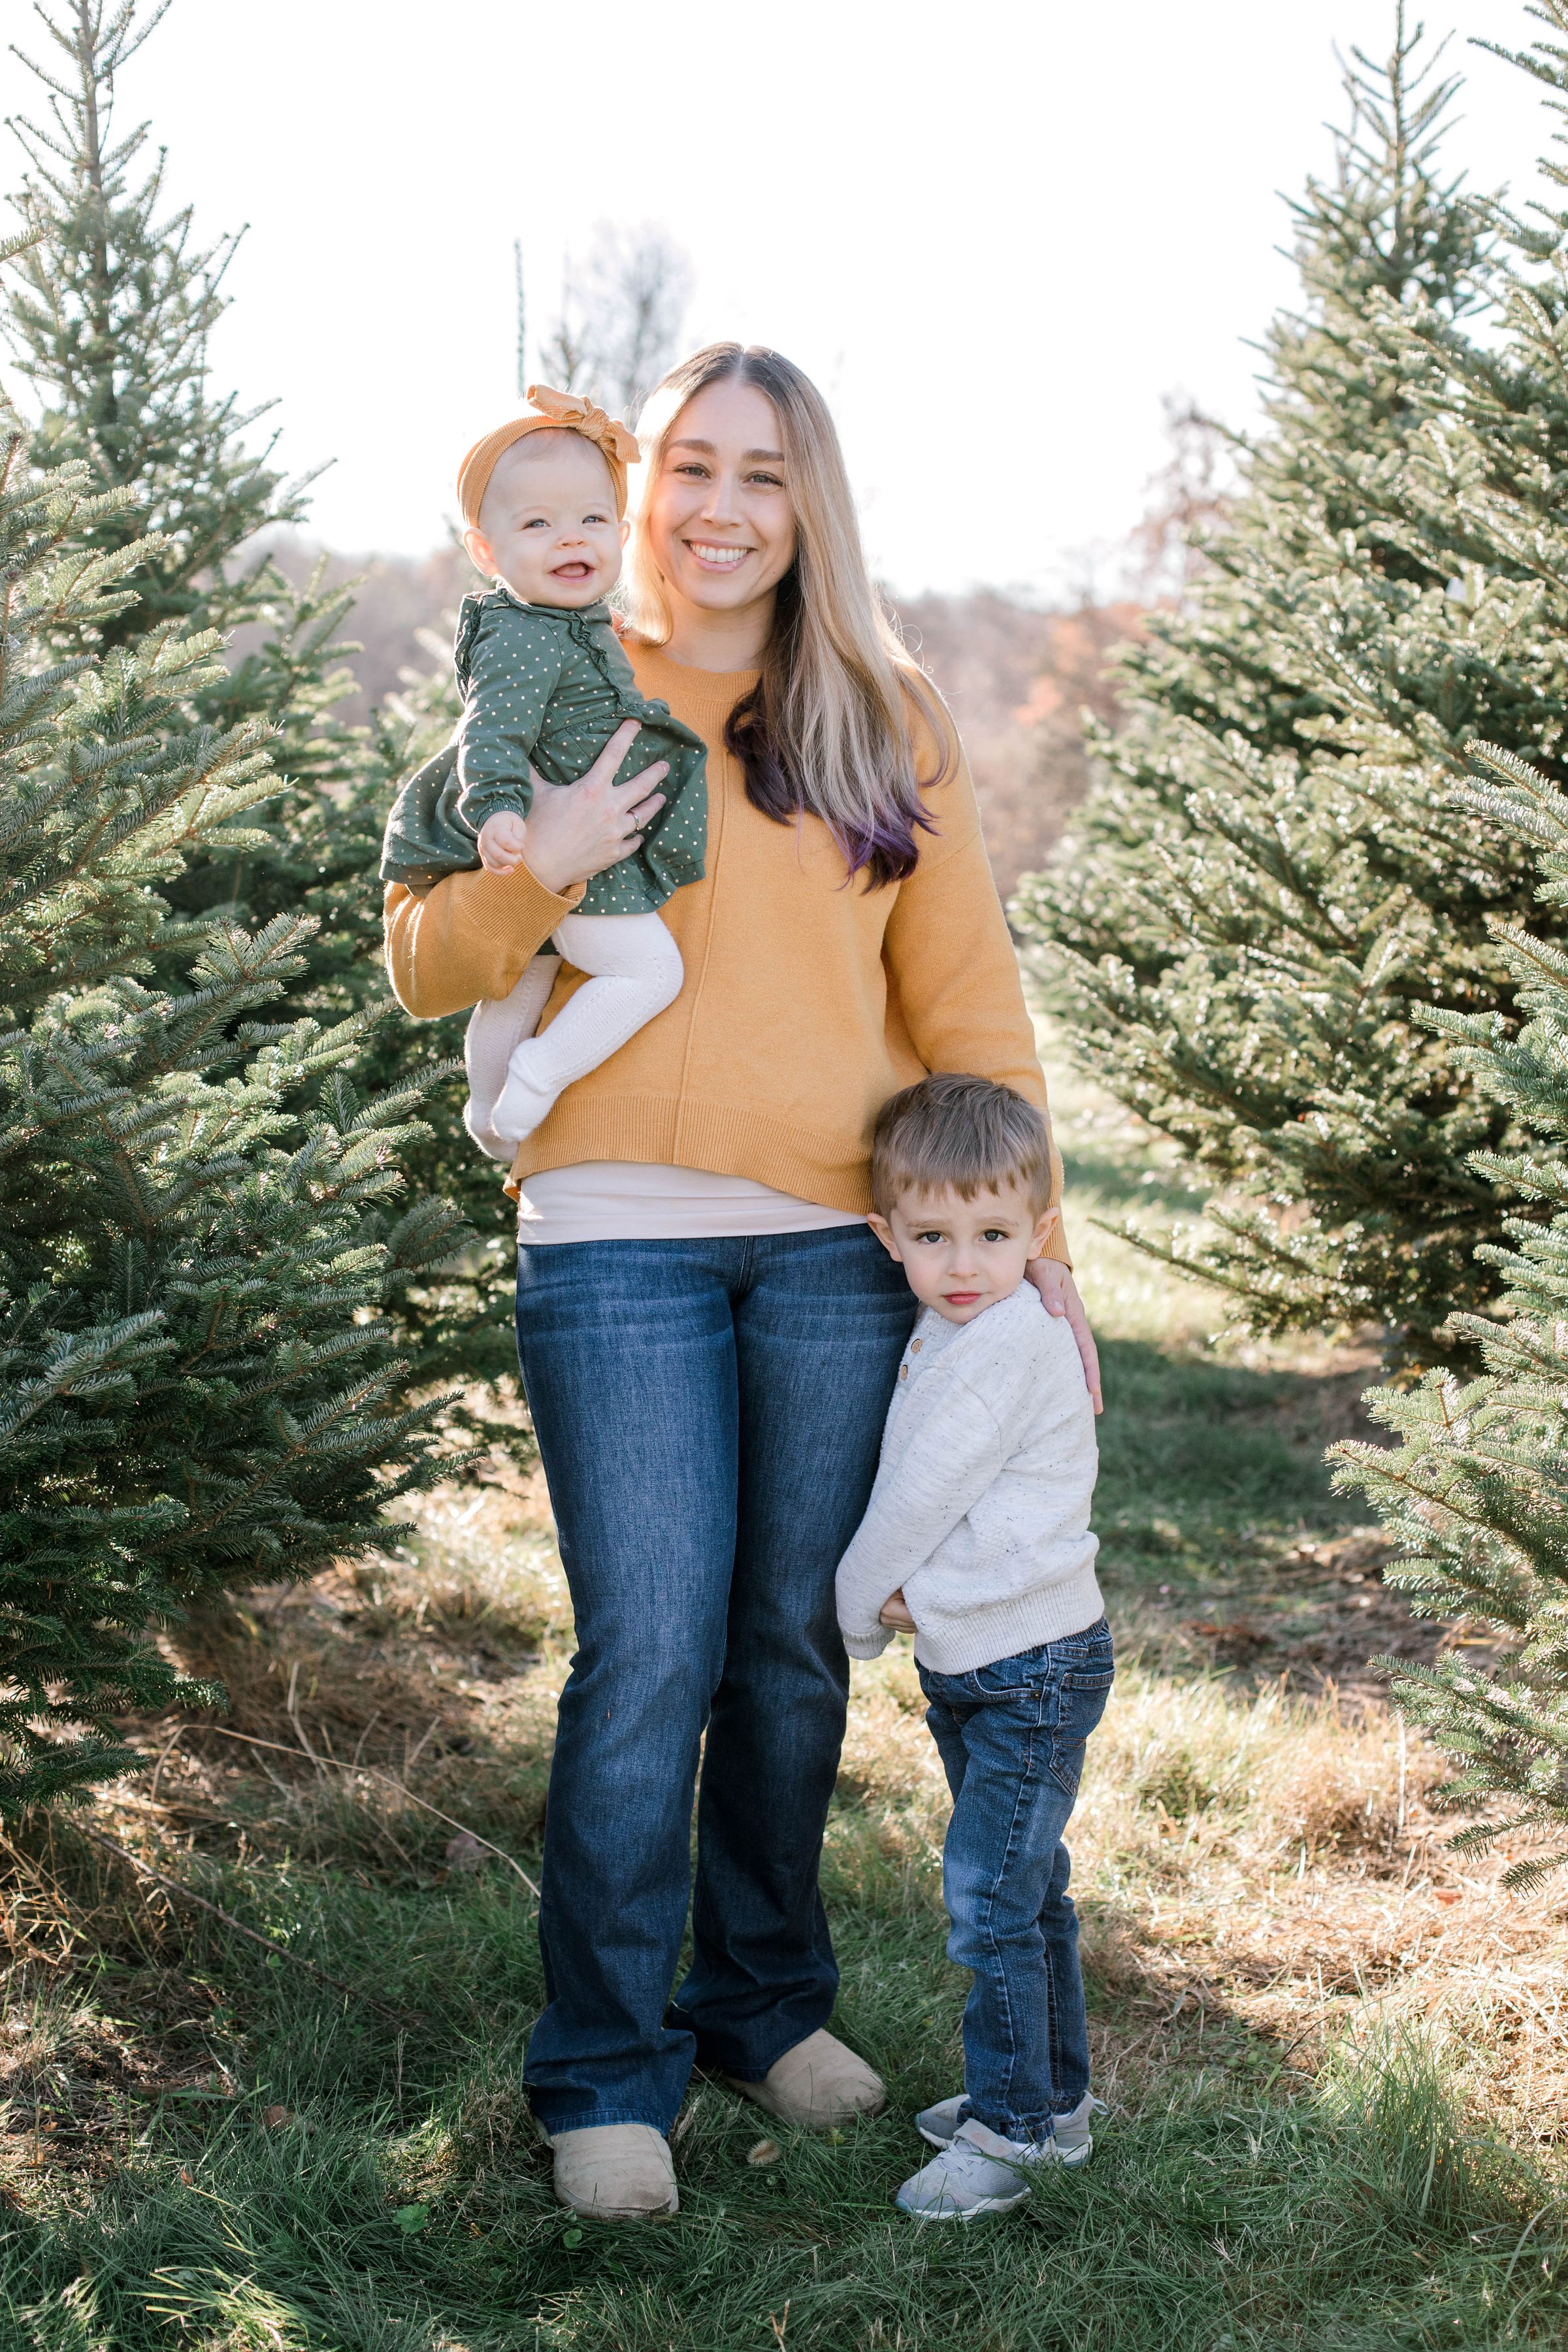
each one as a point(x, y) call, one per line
point(996, 233)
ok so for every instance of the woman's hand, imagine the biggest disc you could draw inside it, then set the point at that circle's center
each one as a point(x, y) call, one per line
point(575, 831)
point(1059, 1293)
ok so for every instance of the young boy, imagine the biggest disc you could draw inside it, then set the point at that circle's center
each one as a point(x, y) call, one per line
point(977, 1538)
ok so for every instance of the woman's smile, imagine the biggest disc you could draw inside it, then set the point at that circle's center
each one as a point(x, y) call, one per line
point(717, 559)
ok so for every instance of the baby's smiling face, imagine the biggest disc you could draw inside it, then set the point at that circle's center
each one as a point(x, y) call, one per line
point(548, 525)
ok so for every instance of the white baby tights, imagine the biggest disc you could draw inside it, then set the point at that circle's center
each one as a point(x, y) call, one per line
point(496, 1029)
point(634, 970)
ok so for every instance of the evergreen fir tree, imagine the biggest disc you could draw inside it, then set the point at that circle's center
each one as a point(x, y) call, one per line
point(1272, 872)
point(199, 1235)
point(110, 331)
point(1477, 1489)
point(1477, 1486)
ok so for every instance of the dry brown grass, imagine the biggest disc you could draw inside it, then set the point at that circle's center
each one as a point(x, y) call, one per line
point(1260, 1880)
point(1246, 1861)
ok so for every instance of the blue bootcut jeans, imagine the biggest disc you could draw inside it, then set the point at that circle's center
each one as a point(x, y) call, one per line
point(1011, 1739)
point(710, 1414)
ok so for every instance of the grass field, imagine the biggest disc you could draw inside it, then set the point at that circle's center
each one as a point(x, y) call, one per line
point(1336, 2060)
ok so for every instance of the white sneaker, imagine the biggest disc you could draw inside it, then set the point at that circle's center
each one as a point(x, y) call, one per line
point(1071, 2139)
point(977, 2172)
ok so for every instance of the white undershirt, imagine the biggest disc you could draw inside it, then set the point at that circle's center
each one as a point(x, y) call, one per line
point(627, 1200)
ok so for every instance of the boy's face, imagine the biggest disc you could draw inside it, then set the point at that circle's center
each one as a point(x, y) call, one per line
point(961, 1256)
point(547, 526)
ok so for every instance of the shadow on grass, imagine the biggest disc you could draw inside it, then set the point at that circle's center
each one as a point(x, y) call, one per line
point(1195, 1453)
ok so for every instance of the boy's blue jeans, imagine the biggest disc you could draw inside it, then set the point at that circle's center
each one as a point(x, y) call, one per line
point(710, 1413)
point(1011, 1739)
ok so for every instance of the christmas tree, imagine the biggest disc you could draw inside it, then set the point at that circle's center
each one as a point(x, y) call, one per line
point(199, 1224)
point(110, 332)
point(1271, 877)
point(109, 325)
point(1477, 1489)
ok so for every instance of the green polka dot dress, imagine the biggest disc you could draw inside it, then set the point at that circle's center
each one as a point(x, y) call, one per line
point(546, 687)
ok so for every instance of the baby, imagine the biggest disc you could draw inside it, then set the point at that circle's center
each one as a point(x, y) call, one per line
point(546, 685)
point(977, 1538)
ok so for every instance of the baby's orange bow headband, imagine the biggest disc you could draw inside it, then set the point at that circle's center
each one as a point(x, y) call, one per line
point(551, 411)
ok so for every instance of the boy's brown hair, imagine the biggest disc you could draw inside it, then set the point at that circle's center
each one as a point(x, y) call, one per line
point(967, 1133)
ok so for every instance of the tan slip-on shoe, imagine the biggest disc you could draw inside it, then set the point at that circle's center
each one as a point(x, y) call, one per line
point(817, 2084)
point(615, 2172)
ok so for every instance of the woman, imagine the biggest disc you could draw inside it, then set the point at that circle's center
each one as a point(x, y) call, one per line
point(707, 1330)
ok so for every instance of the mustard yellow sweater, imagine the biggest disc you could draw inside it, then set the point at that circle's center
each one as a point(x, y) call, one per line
point(806, 1004)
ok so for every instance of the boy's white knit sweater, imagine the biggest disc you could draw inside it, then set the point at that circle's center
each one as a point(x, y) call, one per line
point(980, 1507)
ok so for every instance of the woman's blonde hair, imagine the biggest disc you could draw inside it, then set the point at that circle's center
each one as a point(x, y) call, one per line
point(827, 730)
